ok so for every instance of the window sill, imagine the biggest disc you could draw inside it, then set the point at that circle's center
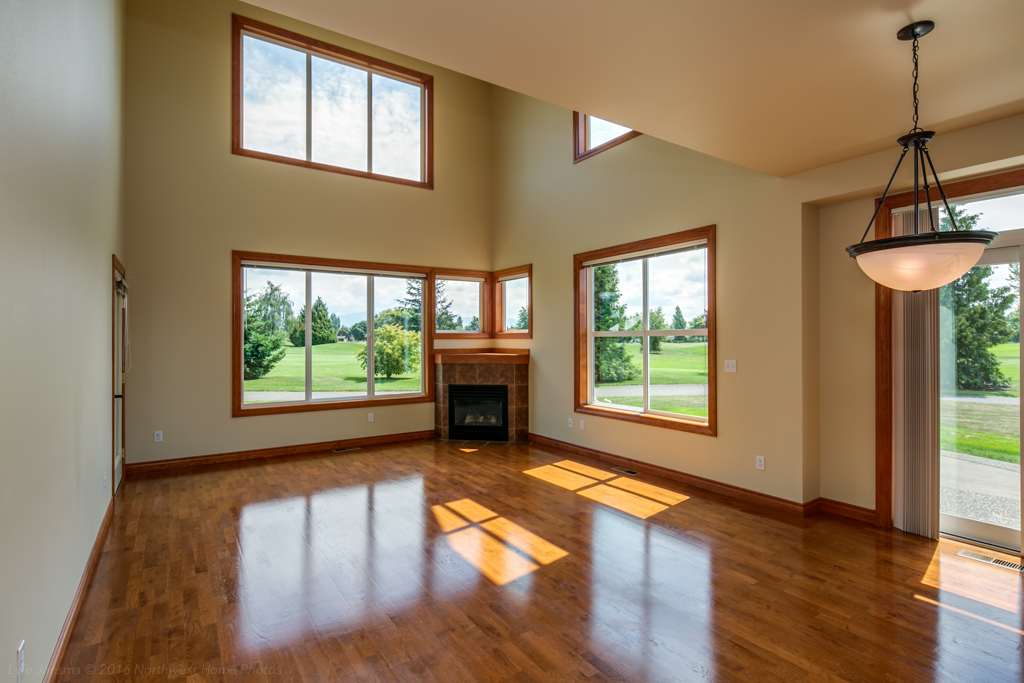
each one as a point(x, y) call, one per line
point(441, 334)
point(648, 419)
point(252, 409)
point(514, 334)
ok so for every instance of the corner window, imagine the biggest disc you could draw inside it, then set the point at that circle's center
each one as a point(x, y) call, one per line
point(300, 101)
point(646, 332)
point(592, 135)
point(460, 309)
point(514, 302)
point(317, 334)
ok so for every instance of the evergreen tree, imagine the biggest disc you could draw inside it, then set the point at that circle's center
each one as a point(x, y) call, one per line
point(523, 322)
point(612, 360)
point(678, 323)
point(656, 320)
point(262, 344)
point(335, 322)
point(474, 324)
point(323, 331)
point(412, 304)
point(444, 319)
point(358, 331)
point(979, 318)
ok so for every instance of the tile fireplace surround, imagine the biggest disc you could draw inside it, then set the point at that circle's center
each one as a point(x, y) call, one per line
point(509, 367)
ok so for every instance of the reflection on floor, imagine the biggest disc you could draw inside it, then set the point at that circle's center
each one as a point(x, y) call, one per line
point(570, 475)
point(421, 562)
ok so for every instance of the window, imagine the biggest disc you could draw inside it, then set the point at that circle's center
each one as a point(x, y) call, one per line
point(460, 303)
point(315, 334)
point(513, 297)
point(303, 102)
point(592, 135)
point(645, 331)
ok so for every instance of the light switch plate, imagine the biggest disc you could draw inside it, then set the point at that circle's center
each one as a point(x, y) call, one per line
point(730, 366)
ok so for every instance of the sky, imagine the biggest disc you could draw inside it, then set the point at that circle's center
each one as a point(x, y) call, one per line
point(602, 131)
point(274, 111)
point(516, 296)
point(465, 298)
point(673, 280)
point(998, 214)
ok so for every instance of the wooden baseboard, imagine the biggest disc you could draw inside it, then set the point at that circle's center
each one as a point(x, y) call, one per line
point(812, 507)
point(860, 514)
point(52, 672)
point(135, 468)
point(762, 500)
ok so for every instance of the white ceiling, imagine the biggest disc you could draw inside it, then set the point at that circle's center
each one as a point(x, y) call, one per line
point(779, 87)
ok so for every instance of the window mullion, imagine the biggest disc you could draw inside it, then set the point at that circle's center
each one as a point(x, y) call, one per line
point(591, 359)
point(309, 107)
point(369, 121)
point(645, 345)
point(370, 360)
point(309, 335)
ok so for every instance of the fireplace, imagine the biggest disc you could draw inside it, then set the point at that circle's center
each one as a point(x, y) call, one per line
point(478, 412)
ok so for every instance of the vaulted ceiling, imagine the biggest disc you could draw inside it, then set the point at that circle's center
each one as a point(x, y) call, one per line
point(779, 87)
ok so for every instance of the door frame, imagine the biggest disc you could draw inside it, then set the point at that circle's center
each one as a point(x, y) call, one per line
point(117, 270)
point(884, 417)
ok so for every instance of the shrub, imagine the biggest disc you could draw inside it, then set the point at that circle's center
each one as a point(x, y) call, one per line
point(395, 351)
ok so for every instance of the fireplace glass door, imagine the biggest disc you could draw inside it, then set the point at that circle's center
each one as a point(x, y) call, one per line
point(478, 413)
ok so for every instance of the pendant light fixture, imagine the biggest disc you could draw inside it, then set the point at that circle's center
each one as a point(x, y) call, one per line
point(912, 263)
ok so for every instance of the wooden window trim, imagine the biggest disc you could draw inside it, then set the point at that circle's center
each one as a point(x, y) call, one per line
point(884, 419)
point(581, 358)
point(238, 408)
point(486, 317)
point(579, 139)
point(499, 320)
point(240, 24)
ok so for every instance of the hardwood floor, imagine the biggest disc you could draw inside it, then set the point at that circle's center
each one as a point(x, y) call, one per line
point(423, 562)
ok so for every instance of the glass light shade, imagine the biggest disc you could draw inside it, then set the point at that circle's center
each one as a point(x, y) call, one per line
point(913, 263)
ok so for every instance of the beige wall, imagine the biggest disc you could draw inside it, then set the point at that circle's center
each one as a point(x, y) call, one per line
point(547, 209)
point(60, 106)
point(189, 202)
point(811, 319)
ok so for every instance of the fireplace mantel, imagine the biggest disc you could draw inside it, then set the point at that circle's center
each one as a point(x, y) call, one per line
point(483, 356)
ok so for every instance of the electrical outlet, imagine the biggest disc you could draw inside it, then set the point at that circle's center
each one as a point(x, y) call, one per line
point(760, 462)
point(158, 436)
point(730, 366)
point(570, 423)
point(369, 417)
point(581, 425)
point(21, 661)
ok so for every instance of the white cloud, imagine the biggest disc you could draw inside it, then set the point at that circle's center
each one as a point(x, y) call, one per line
point(274, 98)
point(396, 128)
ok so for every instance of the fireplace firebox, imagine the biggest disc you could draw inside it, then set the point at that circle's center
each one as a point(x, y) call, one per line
point(478, 412)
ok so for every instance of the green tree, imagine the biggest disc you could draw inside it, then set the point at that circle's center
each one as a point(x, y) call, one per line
point(698, 323)
point(297, 329)
point(523, 322)
point(656, 320)
point(395, 352)
point(444, 319)
point(399, 317)
point(323, 330)
point(612, 360)
point(344, 333)
point(474, 324)
point(412, 304)
point(335, 322)
point(358, 331)
point(980, 318)
point(1014, 317)
point(273, 306)
point(678, 323)
point(262, 344)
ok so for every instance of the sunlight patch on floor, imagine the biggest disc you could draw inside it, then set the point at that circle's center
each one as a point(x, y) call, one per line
point(631, 496)
point(498, 548)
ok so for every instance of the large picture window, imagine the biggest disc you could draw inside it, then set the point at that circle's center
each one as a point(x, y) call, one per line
point(646, 331)
point(304, 102)
point(312, 334)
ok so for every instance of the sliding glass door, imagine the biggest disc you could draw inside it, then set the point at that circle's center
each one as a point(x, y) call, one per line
point(980, 417)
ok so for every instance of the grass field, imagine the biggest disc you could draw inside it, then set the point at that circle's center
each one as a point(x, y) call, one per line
point(676, 364)
point(335, 368)
point(983, 429)
point(696, 406)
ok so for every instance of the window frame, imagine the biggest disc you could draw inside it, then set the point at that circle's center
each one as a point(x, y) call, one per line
point(579, 138)
point(241, 25)
point(501, 276)
point(240, 409)
point(486, 317)
point(582, 352)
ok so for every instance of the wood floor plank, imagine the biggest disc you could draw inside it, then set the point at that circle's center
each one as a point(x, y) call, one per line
point(335, 567)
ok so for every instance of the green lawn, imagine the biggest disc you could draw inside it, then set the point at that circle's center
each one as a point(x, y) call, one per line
point(696, 406)
point(676, 364)
point(335, 368)
point(981, 429)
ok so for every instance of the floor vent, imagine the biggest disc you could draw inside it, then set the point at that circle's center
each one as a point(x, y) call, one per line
point(346, 450)
point(987, 559)
point(623, 470)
